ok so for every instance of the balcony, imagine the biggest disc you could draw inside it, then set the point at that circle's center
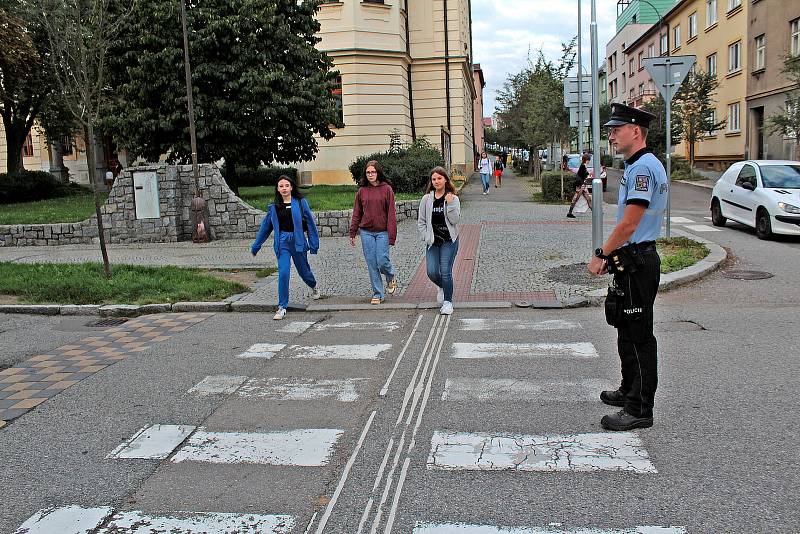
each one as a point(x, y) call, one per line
point(642, 98)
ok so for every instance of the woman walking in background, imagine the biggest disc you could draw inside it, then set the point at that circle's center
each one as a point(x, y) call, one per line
point(579, 184)
point(498, 172)
point(439, 214)
point(485, 168)
point(375, 221)
point(290, 217)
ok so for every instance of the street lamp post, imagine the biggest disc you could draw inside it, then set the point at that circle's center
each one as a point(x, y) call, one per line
point(597, 182)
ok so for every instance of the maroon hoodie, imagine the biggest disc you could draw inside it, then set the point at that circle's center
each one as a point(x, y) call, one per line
point(374, 211)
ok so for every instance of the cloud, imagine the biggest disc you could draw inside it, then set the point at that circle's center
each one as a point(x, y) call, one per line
point(504, 32)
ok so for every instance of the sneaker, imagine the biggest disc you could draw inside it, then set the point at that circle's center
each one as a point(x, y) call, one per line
point(622, 420)
point(571, 216)
point(376, 300)
point(315, 294)
point(392, 286)
point(440, 296)
point(447, 308)
point(280, 314)
point(485, 193)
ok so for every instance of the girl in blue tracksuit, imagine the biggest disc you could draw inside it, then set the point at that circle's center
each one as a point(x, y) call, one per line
point(290, 217)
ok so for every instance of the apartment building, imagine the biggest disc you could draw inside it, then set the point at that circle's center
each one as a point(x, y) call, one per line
point(617, 61)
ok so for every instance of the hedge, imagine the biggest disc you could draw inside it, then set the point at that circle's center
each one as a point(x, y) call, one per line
point(551, 183)
point(261, 175)
point(28, 186)
point(408, 169)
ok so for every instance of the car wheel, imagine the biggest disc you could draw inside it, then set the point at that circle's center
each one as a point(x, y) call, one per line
point(716, 214)
point(763, 224)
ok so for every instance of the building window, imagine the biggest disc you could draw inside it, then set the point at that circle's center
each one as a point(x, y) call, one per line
point(641, 89)
point(676, 37)
point(711, 12)
point(794, 45)
point(733, 118)
point(693, 25)
point(67, 146)
point(712, 117)
point(631, 97)
point(651, 87)
point(733, 4)
point(711, 65)
point(664, 43)
point(631, 67)
point(735, 57)
point(651, 51)
point(761, 50)
point(337, 96)
point(27, 147)
point(641, 55)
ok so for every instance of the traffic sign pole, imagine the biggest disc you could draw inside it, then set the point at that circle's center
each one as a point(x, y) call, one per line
point(597, 182)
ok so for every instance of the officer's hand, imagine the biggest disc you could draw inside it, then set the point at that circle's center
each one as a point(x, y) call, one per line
point(597, 266)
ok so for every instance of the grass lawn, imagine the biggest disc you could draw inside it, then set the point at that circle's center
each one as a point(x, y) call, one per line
point(679, 252)
point(84, 283)
point(320, 197)
point(55, 210)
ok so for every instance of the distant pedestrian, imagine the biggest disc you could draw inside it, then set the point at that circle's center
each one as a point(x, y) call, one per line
point(564, 163)
point(290, 217)
point(439, 214)
point(375, 221)
point(580, 187)
point(485, 168)
point(498, 172)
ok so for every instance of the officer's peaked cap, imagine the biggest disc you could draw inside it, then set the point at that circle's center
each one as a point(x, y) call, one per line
point(622, 114)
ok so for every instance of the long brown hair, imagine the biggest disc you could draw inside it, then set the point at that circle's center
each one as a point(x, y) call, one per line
point(448, 184)
point(381, 175)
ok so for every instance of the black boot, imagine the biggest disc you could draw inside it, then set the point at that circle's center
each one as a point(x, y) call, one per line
point(622, 420)
point(613, 398)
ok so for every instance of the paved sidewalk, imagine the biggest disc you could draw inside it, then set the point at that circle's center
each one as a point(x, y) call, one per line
point(511, 249)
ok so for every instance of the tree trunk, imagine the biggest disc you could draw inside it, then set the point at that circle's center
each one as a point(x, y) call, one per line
point(88, 131)
point(797, 149)
point(14, 143)
point(231, 178)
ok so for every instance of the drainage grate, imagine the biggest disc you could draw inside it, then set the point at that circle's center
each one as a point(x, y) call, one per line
point(107, 321)
point(747, 275)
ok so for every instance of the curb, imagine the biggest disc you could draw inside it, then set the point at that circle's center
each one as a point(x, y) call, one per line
point(716, 257)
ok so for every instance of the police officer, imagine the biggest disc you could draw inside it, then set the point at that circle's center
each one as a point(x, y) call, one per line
point(630, 254)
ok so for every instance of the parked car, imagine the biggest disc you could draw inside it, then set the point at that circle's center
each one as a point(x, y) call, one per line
point(574, 163)
point(763, 194)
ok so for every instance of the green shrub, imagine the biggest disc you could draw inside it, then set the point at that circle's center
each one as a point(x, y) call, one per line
point(407, 168)
point(261, 175)
point(551, 185)
point(606, 160)
point(27, 186)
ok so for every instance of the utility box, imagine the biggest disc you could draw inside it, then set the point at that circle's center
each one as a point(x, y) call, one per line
point(145, 195)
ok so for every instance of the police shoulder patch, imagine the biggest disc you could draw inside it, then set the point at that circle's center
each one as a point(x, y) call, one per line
point(642, 183)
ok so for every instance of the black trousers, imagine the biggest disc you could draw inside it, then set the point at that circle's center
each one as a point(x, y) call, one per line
point(636, 343)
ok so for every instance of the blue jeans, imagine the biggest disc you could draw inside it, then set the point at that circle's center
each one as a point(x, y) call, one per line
point(485, 181)
point(287, 254)
point(376, 253)
point(439, 260)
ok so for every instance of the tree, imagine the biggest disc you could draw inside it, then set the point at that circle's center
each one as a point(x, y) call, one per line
point(787, 121)
point(261, 88)
point(693, 108)
point(26, 87)
point(657, 133)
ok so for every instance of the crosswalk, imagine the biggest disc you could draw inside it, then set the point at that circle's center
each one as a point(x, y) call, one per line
point(695, 226)
point(435, 365)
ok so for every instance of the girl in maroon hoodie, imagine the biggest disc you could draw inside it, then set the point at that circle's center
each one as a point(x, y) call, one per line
point(374, 220)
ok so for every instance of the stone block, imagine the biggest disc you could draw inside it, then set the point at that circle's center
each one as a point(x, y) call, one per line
point(34, 309)
point(80, 309)
point(119, 310)
point(201, 307)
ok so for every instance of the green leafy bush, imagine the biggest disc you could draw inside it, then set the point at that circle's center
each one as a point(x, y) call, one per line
point(261, 175)
point(606, 160)
point(408, 168)
point(551, 185)
point(27, 186)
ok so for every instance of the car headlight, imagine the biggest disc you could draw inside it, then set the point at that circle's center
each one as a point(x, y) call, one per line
point(789, 208)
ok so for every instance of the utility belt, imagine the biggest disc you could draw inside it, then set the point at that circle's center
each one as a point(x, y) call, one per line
point(628, 259)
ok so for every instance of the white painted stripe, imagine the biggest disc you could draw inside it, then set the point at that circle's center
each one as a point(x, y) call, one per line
point(608, 451)
point(680, 220)
point(385, 388)
point(388, 326)
point(460, 528)
point(517, 324)
point(296, 327)
point(262, 350)
point(524, 350)
point(218, 385)
point(194, 522)
point(702, 228)
point(154, 442)
point(302, 390)
point(305, 447)
point(513, 389)
point(65, 520)
point(339, 352)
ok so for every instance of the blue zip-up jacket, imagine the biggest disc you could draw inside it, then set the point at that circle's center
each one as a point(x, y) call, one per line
point(300, 212)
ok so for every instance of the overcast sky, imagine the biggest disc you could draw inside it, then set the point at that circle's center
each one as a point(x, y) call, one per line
point(504, 30)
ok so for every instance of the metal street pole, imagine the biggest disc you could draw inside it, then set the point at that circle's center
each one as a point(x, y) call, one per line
point(580, 84)
point(597, 183)
point(668, 155)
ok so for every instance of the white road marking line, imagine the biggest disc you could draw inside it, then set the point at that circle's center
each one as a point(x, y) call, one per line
point(65, 520)
point(339, 352)
point(388, 326)
point(218, 385)
point(292, 389)
point(681, 220)
point(296, 327)
point(154, 442)
point(262, 350)
point(506, 389)
point(461, 528)
point(524, 350)
point(608, 451)
point(304, 447)
point(385, 388)
point(345, 474)
point(701, 228)
point(193, 522)
point(517, 324)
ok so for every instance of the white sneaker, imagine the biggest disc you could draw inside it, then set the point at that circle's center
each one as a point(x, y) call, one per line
point(280, 314)
point(484, 192)
point(447, 308)
point(315, 294)
point(440, 296)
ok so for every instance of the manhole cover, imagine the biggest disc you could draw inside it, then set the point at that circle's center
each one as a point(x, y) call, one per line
point(108, 321)
point(522, 304)
point(747, 275)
